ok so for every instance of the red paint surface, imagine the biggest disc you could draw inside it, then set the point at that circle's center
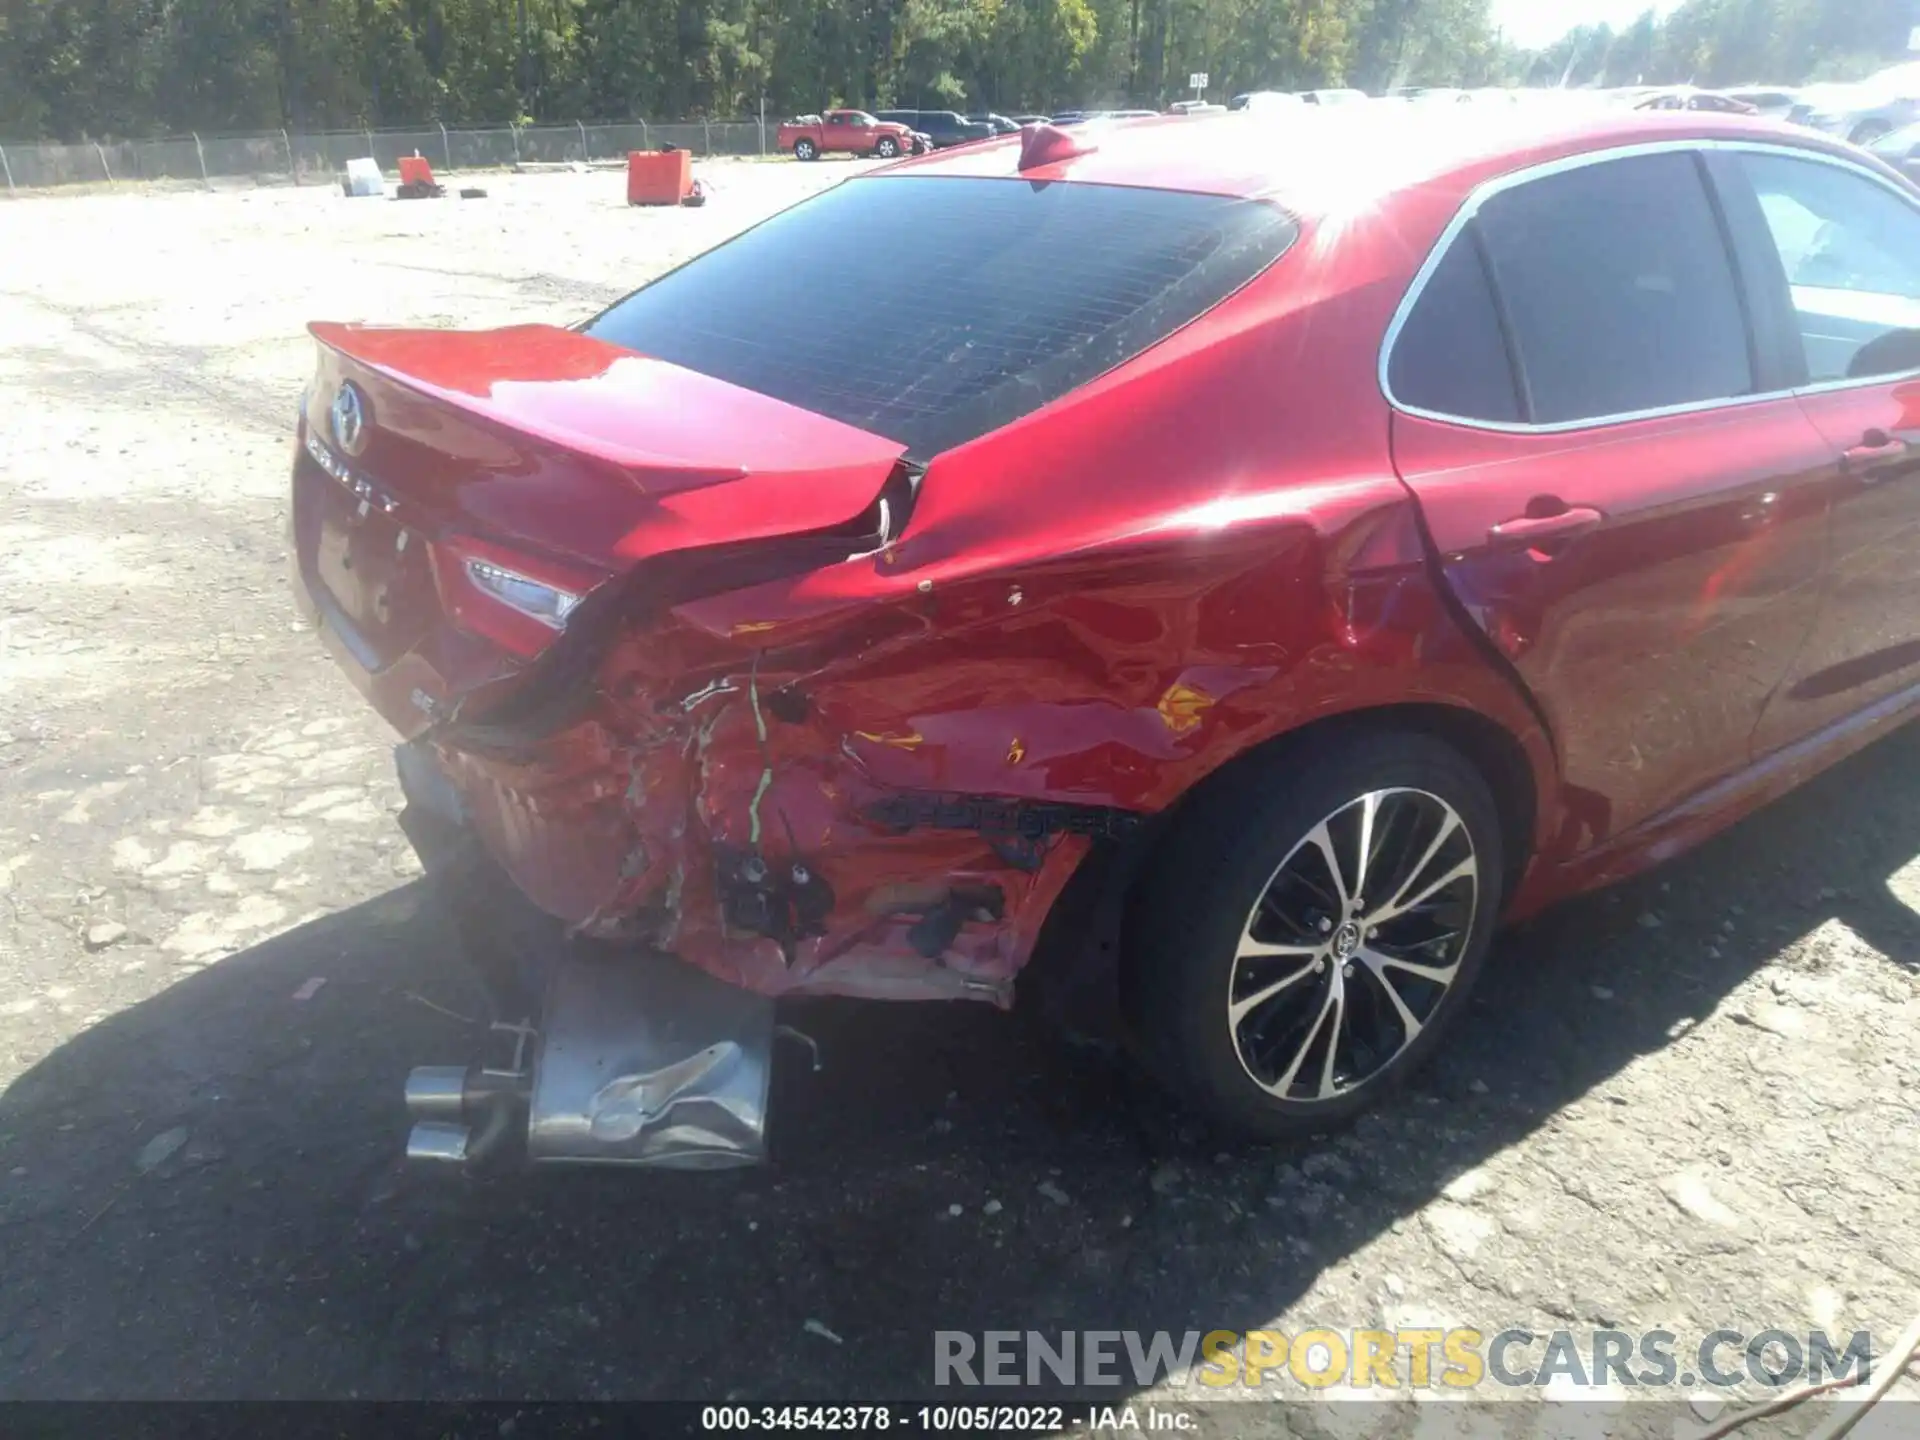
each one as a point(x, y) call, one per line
point(1200, 552)
point(1653, 639)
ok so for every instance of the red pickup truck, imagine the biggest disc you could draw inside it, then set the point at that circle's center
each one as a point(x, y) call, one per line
point(852, 131)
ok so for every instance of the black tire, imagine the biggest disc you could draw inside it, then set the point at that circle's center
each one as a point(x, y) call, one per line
point(1245, 840)
point(805, 150)
point(886, 147)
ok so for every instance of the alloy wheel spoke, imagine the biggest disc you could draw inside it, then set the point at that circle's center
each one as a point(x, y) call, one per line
point(1327, 1087)
point(1252, 949)
point(1322, 839)
point(1377, 967)
point(1282, 1085)
point(1395, 909)
point(1395, 904)
point(1379, 961)
point(1369, 807)
point(1246, 1004)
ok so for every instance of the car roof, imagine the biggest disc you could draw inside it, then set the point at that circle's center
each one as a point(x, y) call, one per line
point(1316, 162)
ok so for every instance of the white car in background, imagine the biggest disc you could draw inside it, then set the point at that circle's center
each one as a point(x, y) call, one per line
point(1267, 102)
point(1866, 112)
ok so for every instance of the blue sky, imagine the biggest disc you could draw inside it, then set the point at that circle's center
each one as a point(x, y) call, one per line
point(1538, 22)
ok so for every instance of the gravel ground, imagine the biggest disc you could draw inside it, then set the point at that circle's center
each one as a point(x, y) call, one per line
point(1688, 1103)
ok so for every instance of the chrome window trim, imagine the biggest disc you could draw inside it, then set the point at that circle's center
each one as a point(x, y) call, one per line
point(1487, 189)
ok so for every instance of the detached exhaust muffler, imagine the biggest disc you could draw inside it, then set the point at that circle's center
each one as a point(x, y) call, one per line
point(642, 1060)
point(648, 1061)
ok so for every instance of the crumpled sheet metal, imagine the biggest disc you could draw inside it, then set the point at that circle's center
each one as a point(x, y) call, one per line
point(774, 721)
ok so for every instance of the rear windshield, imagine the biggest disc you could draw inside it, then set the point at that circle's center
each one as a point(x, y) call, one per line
point(932, 310)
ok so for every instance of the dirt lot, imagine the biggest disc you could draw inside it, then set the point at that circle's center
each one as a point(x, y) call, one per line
point(1690, 1103)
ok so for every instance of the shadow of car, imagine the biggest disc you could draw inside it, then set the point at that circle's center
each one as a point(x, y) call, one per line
point(278, 1249)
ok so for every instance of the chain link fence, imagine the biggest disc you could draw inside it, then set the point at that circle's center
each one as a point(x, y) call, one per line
point(284, 157)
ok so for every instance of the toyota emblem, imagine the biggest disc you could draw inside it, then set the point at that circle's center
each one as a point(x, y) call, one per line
point(350, 419)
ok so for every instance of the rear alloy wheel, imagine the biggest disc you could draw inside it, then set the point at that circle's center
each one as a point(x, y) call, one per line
point(887, 147)
point(1305, 941)
point(805, 150)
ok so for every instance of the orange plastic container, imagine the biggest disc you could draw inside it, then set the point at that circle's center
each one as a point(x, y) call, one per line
point(659, 177)
point(414, 170)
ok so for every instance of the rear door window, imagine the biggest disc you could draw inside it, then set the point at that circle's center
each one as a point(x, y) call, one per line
point(1851, 250)
point(980, 300)
point(1617, 286)
point(1450, 358)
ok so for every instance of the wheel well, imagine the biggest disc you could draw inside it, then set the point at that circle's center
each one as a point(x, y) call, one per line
point(1487, 746)
point(1073, 964)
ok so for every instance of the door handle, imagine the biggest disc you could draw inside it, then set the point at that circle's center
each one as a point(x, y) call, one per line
point(1875, 447)
point(1531, 529)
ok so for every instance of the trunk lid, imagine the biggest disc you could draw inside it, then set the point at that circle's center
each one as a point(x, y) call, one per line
point(546, 436)
point(442, 471)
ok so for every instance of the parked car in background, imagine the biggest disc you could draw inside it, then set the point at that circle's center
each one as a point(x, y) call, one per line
point(1773, 102)
point(868, 639)
point(1900, 149)
point(1025, 120)
point(850, 132)
point(1195, 107)
point(944, 128)
point(1000, 124)
point(1682, 97)
point(1865, 112)
point(1332, 97)
point(1266, 102)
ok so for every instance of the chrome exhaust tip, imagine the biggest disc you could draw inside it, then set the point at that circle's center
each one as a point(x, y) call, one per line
point(438, 1141)
point(437, 1092)
point(463, 1115)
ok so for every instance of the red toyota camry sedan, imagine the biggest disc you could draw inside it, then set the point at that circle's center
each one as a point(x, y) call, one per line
point(1285, 547)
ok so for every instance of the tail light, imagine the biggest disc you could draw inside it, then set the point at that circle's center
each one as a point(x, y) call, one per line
point(565, 618)
point(519, 602)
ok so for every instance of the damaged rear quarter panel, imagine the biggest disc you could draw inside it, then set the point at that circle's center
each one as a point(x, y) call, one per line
point(1088, 612)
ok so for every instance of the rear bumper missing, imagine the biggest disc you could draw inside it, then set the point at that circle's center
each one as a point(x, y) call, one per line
point(766, 852)
point(629, 1057)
